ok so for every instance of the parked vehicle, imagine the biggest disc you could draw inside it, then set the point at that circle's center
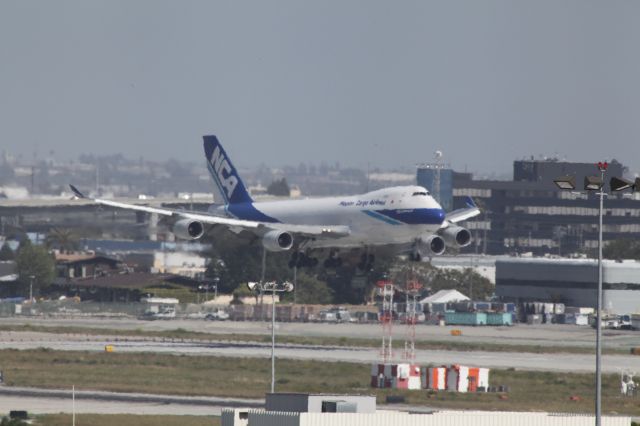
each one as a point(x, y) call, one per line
point(635, 321)
point(625, 322)
point(217, 315)
point(327, 316)
point(366, 317)
point(608, 322)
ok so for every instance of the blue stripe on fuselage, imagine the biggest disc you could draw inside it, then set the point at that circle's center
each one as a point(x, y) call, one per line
point(415, 216)
point(383, 218)
point(247, 211)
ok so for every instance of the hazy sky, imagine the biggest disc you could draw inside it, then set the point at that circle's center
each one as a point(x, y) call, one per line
point(280, 82)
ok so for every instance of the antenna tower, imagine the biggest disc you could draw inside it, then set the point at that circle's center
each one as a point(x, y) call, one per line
point(386, 290)
point(412, 290)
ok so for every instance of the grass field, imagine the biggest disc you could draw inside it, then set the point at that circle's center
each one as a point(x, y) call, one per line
point(125, 420)
point(179, 333)
point(250, 378)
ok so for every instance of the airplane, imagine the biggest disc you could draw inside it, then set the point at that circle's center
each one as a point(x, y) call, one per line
point(405, 218)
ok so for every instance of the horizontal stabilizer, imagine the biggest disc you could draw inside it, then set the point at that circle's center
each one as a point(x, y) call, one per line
point(76, 192)
point(463, 214)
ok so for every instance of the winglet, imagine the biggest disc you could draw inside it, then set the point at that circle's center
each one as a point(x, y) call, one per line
point(76, 192)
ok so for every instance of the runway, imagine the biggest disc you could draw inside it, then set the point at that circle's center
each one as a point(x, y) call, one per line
point(52, 401)
point(521, 334)
point(519, 360)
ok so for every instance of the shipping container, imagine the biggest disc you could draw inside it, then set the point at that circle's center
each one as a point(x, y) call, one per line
point(465, 318)
point(495, 318)
point(434, 378)
point(396, 376)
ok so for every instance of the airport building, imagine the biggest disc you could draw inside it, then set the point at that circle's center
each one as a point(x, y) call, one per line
point(348, 410)
point(573, 282)
point(529, 214)
point(439, 180)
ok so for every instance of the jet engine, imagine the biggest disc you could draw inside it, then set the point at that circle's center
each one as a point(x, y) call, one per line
point(277, 241)
point(433, 244)
point(456, 235)
point(188, 229)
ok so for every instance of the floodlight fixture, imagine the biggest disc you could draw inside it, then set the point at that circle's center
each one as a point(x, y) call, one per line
point(620, 184)
point(593, 183)
point(566, 182)
point(270, 286)
point(287, 286)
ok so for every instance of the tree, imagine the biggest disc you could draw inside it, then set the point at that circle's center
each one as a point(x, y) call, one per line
point(6, 253)
point(62, 239)
point(236, 261)
point(34, 261)
point(310, 289)
point(240, 292)
point(279, 188)
point(6, 421)
point(622, 249)
point(463, 281)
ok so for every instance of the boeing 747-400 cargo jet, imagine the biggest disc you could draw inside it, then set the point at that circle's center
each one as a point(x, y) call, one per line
point(406, 218)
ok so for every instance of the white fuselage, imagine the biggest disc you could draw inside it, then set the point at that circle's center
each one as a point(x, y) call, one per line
point(394, 215)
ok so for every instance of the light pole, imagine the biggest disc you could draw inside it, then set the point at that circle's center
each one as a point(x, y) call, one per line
point(31, 278)
point(603, 170)
point(596, 183)
point(274, 288)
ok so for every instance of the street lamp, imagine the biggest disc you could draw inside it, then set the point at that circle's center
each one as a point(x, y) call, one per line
point(596, 183)
point(566, 182)
point(620, 184)
point(274, 288)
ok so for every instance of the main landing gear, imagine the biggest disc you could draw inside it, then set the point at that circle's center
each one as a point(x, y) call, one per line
point(415, 256)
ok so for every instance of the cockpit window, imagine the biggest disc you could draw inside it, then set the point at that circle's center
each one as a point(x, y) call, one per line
point(420, 193)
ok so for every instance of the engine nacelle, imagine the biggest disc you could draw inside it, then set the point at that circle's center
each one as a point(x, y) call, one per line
point(188, 229)
point(433, 244)
point(277, 241)
point(456, 235)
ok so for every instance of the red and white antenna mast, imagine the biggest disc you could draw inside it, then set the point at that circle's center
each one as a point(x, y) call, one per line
point(412, 290)
point(386, 290)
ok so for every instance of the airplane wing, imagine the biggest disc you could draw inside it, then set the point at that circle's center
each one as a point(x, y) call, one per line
point(463, 214)
point(328, 231)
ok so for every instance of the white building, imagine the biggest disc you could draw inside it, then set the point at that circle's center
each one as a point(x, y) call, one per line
point(573, 282)
point(481, 264)
point(351, 410)
point(179, 263)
